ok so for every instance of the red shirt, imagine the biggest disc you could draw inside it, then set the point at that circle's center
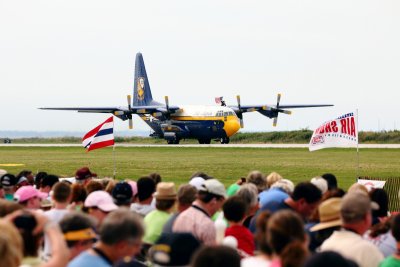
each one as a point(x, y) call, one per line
point(244, 237)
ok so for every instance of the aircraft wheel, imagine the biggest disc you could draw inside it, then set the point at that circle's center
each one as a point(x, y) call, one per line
point(207, 141)
point(225, 140)
point(170, 142)
point(201, 141)
point(176, 141)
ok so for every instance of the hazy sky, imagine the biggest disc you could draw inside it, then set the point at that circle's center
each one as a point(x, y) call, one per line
point(81, 53)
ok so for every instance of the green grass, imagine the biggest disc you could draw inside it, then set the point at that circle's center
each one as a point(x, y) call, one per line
point(227, 164)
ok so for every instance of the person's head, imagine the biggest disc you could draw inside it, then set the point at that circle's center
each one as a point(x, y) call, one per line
point(123, 231)
point(212, 195)
point(329, 259)
point(285, 185)
point(356, 211)
point(99, 204)
point(156, 177)
point(93, 185)
point(272, 178)
point(61, 193)
point(321, 183)
point(146, 187)
point(38, 179)
point(358, 188)
point(7, 207)
point(331, 180)
point(77, 228)
point(258, 179)
point(307, 197)
point(216, 256)
point(395, 228)
point(27, 175)
point(186, 195)
point(165, 196)
point(78, 193)
point(84, 175)
point(203, 175)
point(29, 197)
point(122, 194)
point(48, 182)
point(26, 223)
point(173, 249)
point(234, 209)
point(380, 197)
point(8, 182)
point(261, 233)
point(249, 194)
point(11, 246)
point(287, 238)
point(197, 182)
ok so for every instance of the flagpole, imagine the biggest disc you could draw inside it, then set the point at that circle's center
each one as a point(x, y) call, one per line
point(358, 154)
point(115, 169)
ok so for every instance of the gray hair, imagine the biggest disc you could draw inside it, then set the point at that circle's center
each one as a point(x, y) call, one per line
point(121, 225)
point(249, 194)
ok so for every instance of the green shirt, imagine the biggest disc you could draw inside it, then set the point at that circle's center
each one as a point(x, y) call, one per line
point(154, 222)
point(390, 262)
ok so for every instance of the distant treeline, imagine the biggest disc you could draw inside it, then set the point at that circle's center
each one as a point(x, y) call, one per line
point(287, 137)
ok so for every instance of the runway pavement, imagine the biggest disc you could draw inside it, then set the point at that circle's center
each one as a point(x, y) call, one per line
point(198, 145)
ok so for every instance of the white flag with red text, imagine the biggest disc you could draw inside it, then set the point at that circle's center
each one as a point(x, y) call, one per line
point(340, 132)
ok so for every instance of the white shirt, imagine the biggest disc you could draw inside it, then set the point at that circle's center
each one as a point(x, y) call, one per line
point(353, 247)
point(54, 215)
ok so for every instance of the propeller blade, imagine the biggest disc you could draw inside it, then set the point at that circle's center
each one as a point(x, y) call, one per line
point(130, 124)
point(275, 121)
point(241, 123)
point(238, 101)
point(166, 102)
point(288, 112)
point(278, 100)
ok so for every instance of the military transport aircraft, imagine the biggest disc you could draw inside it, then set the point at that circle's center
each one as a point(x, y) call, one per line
point(173, 123)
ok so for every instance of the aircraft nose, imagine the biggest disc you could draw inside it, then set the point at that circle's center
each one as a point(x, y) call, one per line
point(232, 125)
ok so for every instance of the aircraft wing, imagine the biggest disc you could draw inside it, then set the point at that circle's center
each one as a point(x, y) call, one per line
point(272, 108)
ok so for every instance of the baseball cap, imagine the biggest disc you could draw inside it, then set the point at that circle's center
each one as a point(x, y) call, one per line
point(329, 214)
point(355, 205)
point(321, 183)
point(174, 249)
point(101, 200)
point(214, 186)
point(122, 193)
point(8, 180)
point(197, 182)
point(84, 173)
point(27, 192)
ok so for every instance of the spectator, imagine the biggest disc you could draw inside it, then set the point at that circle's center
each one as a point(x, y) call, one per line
point(358, 188)
point(321, 183)
point(84, 175)
point(304, 201)
point(110, 186)
point(7, 207)
point(10, 245)
point(122, 194)
point(216, 256)
point(98, 204)
point(120, 236)
point(27, 176)
point(235, 212)
point(258, 179)
point(197, 218)
point(329, 259)
point(47, 183)
point(93, 185)
point(380, 197)
point(249, 194)
point(197, 182)
point(174, 249)
point(286, 236)
point(381, 236)
point(264, 250)
point(203, 175)
point(29, 197)
point(154, 221)
point(156, 177)
point(331, 180)
point(61, 197)
point(394, 260)
point(356, 219)
point(272, 178)
point(146, 188)
point(38, 179)
point(278, 191)
point(186, 195)
point(78, 196)
point(8, 182)
point(77, 228)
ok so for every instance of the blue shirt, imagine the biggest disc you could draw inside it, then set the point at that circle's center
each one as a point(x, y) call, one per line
point(273, 194)
point(88, 259)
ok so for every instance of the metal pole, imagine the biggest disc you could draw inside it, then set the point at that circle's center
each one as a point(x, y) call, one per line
point(115, 168)
point(358, 154)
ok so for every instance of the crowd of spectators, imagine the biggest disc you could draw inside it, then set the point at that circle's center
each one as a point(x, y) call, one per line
point(260, 220)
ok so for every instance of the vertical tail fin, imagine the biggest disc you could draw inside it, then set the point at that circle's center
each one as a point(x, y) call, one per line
point(141, 90)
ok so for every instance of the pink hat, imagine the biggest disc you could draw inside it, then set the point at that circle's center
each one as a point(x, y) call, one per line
point(133, 184)
point(27, 192)
point(101, 200)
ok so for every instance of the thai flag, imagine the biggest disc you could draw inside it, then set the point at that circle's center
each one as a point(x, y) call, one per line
point(101, 136)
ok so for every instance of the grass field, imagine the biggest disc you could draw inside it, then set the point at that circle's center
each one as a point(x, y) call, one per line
point(227, 164)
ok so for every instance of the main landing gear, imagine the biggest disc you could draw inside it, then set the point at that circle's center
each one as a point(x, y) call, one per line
point(173, 142)
point(225, 140)
point(205, 141)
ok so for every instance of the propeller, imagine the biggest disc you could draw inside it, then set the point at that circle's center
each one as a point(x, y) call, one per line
point(277, 110)
point(240, 114)
point(129, 115)
point(166, 102)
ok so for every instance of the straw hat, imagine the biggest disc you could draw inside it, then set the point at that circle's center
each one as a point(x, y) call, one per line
point(165, 191)
point(329, 214)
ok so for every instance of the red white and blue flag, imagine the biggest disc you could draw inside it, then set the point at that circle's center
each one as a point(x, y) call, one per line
point(101, 136)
